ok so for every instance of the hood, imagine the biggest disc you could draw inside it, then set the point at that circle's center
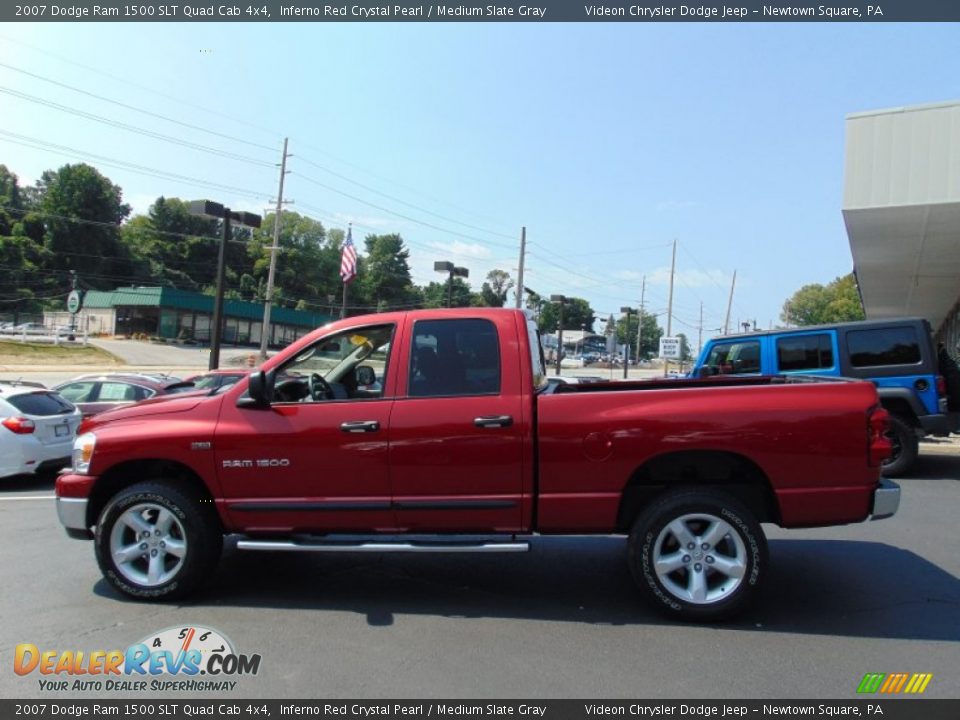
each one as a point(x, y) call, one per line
point(162, 405)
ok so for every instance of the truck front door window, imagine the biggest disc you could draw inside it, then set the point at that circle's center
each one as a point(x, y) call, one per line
point(347, 366)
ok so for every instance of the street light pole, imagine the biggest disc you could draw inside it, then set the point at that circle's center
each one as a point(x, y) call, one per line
point(216, 210)
point(626, 348)
point(449, 267)
point(561, 300)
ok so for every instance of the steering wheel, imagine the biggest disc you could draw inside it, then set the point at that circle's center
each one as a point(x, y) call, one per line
point(319, 388)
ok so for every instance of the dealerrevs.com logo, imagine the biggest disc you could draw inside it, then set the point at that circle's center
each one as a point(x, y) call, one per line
point(190, 659)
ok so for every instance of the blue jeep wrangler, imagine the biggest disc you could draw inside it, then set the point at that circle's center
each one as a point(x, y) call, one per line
point(918, 385)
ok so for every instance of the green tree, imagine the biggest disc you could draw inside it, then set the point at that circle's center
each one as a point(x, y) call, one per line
point(685, 354)
point(815, 304)
point(307, 265)
point(385, 281)
point(174, 247)
point(435, 294)
point(649, 337)
point(11, 201)
point(494, 290)
point(577, 314)
point(82, 211)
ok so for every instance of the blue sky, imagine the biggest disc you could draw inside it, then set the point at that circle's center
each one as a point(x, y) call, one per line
point(608, 141)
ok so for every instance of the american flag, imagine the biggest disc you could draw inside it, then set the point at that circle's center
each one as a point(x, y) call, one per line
point(348, 260)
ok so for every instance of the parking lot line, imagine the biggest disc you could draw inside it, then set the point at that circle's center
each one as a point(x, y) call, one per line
point(28, 497)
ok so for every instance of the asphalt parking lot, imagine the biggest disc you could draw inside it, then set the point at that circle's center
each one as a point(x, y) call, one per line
point(561, 621)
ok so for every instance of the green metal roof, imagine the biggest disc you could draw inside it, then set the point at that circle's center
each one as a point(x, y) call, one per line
point(186, 300)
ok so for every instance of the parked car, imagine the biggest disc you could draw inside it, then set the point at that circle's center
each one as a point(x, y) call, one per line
point(97, 393)
point(29, 328)
point(460, 449)
point(215, 379)
point(920, 390)
point(554, 380)
point(38, 431)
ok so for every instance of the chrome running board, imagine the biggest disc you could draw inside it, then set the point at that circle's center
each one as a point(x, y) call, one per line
point(353, 544)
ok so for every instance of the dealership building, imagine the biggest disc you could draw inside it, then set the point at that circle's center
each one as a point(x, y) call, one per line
point(901, 206)
point(173, 314)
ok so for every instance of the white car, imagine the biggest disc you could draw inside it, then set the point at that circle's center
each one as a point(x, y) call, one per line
point(37, 429)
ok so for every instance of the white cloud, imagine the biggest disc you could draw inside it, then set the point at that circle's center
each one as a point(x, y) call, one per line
point(460, 250)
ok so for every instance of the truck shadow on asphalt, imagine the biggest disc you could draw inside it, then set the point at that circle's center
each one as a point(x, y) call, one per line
point(935, 464)
point(822, 587)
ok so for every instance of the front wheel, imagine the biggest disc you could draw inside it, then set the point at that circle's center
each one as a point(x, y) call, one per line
point(157, 541)
point(698, 554)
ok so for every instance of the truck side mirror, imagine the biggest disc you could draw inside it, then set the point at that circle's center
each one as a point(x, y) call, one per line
point(259, 390)
point(705, 371)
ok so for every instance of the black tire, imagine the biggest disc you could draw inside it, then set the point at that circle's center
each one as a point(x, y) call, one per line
point(743, 545)
point(194, 528)
point(906, 448)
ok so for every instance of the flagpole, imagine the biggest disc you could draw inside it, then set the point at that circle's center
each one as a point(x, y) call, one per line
point(348, 266)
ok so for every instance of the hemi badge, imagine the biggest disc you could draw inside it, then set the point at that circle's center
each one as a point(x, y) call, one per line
point(200, 446)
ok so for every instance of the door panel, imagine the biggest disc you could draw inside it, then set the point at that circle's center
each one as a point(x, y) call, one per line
point(457, 439)
point(292, 467)
point(316, 459)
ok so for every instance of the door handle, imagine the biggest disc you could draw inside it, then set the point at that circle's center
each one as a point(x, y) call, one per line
point(360, 426)
point(493, 421)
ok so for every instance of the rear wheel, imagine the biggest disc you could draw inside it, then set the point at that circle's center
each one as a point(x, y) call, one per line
point(905, 445)
point(698, 554)
point(156, 541)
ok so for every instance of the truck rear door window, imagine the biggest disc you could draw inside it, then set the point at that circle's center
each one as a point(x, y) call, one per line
point(735, 358)
point(454, 357)
point(804, 352)
point(883, 346)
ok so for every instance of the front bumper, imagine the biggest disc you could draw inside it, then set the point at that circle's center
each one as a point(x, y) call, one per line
point(73, 492)
point(73, 516)
point(886, 500)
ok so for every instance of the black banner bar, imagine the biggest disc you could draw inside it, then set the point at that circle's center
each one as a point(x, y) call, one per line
point(180, 709)
point(734, 11)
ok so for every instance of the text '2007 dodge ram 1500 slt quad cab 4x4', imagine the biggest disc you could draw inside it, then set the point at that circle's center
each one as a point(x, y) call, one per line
point(435, 430)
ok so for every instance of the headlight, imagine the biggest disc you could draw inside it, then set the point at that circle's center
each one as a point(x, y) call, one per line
point(83, 452)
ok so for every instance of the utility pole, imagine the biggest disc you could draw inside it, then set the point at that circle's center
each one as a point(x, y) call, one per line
point(700, 331)
point(268, 300)
point(673, 268)
point(726, 321)
point(643, 294)
point(523, 253)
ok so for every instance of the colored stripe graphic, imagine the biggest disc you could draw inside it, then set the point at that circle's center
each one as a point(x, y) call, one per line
point(894, 683)
point(871, 682)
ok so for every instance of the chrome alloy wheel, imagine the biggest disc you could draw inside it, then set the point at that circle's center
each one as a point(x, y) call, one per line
point(148, 544)
point(700, 558)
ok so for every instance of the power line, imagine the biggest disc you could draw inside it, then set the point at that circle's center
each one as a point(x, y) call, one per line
point(38, 144)
point(146, 88)
point(394, 212)
point(132, 107)
point(403, 202)
point(134, 128)
point(116, 226)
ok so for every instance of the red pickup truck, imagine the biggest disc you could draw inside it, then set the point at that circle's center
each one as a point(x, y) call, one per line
point(436, 431)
